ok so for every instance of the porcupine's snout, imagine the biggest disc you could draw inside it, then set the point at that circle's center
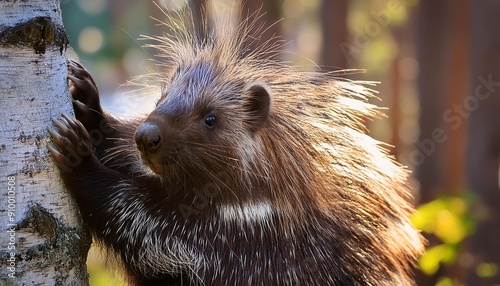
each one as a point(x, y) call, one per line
point(148, 138)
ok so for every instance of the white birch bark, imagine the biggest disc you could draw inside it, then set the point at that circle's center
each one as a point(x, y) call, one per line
point(41, 238)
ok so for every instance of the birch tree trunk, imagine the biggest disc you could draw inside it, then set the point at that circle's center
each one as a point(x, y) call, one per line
point(42, 241)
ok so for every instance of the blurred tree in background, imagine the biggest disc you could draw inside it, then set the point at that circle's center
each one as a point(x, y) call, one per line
point(482, 106)
point(439, 67)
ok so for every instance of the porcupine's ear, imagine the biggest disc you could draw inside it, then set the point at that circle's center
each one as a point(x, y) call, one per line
point(257, 104)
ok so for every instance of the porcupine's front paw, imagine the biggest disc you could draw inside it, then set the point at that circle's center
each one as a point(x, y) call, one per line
point(71, 146)
point(85, 95)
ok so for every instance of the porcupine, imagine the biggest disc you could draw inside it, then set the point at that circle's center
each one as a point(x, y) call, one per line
point(248, 172)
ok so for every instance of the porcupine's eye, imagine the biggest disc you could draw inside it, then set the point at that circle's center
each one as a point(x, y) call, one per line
point(210, 121)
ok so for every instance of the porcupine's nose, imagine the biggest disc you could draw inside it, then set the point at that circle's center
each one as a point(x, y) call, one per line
point(148, 137)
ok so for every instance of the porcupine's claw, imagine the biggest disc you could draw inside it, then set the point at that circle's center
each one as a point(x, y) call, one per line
point(85, 94)
point(71, 143)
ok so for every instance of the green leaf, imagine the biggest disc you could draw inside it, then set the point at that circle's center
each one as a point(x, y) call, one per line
point(430, 261)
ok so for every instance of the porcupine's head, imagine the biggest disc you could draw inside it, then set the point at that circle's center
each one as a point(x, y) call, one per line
point(215, 102)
